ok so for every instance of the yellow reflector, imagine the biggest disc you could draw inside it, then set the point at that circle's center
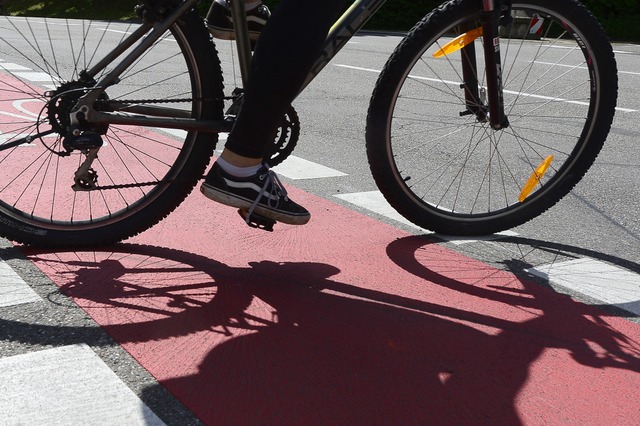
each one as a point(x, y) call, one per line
point(535, 178)
point(459, 42)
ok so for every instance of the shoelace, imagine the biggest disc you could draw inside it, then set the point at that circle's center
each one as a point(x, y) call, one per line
point(276, 192)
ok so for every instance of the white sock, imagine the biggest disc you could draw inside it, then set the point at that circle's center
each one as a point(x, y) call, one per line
point(236, 171)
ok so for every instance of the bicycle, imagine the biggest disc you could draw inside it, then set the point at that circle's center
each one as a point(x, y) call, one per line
point(455, 145)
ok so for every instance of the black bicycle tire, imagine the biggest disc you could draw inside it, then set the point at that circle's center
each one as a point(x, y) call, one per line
point(379, 150)
point(207, 73)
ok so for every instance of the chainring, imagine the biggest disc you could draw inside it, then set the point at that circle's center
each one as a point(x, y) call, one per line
point(285, 140)
point(286, 137)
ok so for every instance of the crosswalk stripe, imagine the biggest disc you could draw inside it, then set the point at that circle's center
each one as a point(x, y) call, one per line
point(67, 385)
point(13, 289)
point(593, 278)
point(374, 201)
point(297, 168)
point(13, 67)
point(35, 76)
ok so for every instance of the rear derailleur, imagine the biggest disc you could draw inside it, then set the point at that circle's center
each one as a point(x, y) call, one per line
point(89, 143)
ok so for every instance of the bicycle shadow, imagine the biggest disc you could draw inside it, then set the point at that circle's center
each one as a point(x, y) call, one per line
point(287, 343)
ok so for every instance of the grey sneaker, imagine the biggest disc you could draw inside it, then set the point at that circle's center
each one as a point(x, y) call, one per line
point(221, 26)
point(262, 194)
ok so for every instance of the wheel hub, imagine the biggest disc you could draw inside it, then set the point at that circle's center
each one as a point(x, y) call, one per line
point(62, 102)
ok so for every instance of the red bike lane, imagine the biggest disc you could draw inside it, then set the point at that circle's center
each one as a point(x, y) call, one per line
point(347, 321)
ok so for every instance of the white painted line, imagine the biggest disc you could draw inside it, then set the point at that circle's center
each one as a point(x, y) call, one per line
point(35, 76)
point(13, 67)
point(298, 168)
point(465, 240)
point(601, 281)
point(582, 68)
point(575, 48)
point(293, 167)
point(68, 385)
point(374, 201)
point(13, 289)
point(178, 133)
point(511, 92)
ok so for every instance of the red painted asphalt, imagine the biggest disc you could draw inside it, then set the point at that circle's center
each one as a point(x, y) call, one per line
point(348, 321)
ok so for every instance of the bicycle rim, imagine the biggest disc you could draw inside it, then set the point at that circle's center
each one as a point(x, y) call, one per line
point(40, 64)
point(447, 170)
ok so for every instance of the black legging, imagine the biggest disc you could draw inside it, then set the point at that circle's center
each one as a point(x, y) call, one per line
point(284, 55)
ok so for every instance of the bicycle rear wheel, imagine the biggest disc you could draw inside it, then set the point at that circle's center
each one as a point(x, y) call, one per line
point(449, 171)
point(141, 173)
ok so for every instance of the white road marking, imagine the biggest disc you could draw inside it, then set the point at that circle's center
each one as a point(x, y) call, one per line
point(374, 201)
point(457, 240)
point(582, 68)
point(574, 48)
point(511, 92)
point(297, 168)
point(293, 167)
point(13, 67)
point(35, 76)
point(178, 133)
point(69, 385)
point(599, 280)
point(13, 289)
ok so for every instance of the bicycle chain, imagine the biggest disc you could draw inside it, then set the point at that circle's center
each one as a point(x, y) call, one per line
point(159, 101)
point(141, 184)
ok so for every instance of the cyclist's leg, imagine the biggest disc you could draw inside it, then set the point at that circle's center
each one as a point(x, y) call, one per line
point(283, 57)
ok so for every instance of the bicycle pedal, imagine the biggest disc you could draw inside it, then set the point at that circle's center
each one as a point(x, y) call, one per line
point(257, 221)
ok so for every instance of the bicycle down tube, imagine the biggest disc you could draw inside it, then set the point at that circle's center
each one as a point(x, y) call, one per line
point(351, 21)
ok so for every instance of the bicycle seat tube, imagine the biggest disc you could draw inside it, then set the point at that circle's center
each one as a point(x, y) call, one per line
point(239, 18)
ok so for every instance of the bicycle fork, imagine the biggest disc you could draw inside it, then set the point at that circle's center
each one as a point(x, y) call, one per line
point(480, 101)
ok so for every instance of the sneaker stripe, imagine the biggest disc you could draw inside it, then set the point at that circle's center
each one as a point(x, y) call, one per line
point(256, 20)
point(250, 185)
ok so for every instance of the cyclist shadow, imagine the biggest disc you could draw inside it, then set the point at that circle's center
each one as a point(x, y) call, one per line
point(289, 343)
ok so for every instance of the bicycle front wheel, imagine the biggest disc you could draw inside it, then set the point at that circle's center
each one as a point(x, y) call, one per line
point(141, 173)
point(446, 169)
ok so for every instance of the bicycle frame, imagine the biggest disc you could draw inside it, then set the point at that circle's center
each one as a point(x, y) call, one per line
point(353, 19)
point(342, 31)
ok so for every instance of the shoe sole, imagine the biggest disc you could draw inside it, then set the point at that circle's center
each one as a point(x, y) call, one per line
point(233, 201)
point(227, 34)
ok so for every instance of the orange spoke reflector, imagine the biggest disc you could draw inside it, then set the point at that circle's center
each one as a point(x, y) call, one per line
point(535, 178)
point(459, 42)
